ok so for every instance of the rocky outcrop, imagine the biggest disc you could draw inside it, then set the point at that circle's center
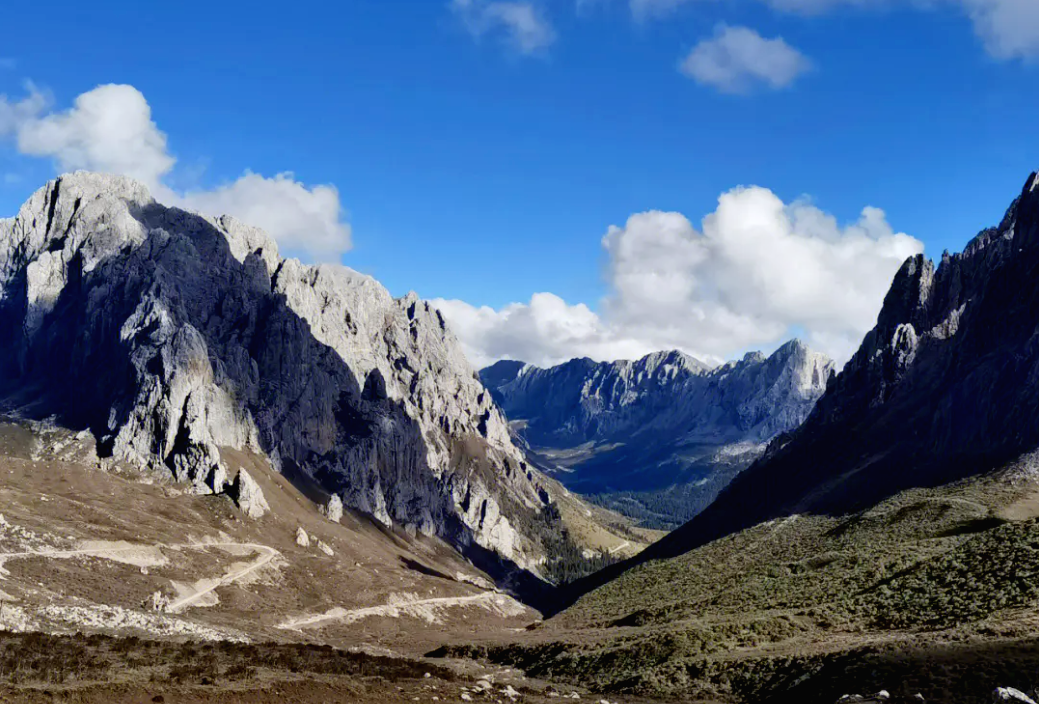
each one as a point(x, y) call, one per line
point(246, 493)
point(172, 336)
point(662, 420)
point(333, 510)
point(1009, 694)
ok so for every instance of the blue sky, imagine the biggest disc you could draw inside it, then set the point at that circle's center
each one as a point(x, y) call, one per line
point(476, 170)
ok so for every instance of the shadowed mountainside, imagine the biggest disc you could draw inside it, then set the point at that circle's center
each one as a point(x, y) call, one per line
point(945, 386)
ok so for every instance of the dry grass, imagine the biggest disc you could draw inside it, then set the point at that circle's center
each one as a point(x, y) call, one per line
point(748, 616)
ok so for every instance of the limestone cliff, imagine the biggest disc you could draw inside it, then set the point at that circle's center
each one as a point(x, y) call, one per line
point(170, 335)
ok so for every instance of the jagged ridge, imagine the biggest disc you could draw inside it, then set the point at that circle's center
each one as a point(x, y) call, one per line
point(662, 420)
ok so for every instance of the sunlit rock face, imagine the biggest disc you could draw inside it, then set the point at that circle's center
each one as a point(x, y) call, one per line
point(172, 335)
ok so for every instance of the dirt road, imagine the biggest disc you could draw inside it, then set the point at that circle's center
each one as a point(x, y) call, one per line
point(266, 555)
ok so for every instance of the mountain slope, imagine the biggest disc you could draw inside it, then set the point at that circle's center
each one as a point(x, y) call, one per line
point(170, 337)
point(946, 386)
point(632, 432)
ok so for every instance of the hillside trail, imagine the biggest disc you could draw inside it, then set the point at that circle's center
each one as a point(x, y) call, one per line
point(393, 609)
point(267, 555)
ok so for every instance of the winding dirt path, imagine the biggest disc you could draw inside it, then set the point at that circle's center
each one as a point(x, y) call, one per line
point(392, 609)
point(267, 554)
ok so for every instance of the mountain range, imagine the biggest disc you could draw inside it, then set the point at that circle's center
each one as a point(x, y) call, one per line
point(247, 460)
point(659, 437)
point(888, 541)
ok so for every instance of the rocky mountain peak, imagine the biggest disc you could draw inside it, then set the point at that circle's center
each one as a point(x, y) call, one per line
point(172, 336)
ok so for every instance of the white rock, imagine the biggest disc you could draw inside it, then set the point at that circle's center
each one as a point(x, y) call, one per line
point(249, 496)
point(1009, 694)
point(325, 548)
point(159, 601)
point(302, 539)
point(333, 510)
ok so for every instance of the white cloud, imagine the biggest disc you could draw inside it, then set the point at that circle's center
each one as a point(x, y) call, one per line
point(759, 271)
point(110, 129)
point(13, 114)
point(522, 25)
point(737, 59)
point(1009, 28)
point(545, 331)
point(307, 218)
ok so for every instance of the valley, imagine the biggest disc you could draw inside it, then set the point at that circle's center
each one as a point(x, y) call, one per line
point(889, 543)
point(286, 484)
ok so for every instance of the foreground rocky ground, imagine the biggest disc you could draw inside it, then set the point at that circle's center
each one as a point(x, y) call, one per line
point(42, 668)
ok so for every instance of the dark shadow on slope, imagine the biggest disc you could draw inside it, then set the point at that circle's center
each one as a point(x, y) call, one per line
point(416, 566)
point(306, 402)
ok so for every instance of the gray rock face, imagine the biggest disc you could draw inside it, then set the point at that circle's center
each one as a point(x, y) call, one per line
point(663, 420)
point(171, 335)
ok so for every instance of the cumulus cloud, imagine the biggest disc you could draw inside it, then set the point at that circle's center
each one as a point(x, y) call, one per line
point(546, 331)
point(520, 24)
point(758, 271)
point(14, 113)
point(737, 59)
point(311, 217)
point(110, 129)
point(1009, 28)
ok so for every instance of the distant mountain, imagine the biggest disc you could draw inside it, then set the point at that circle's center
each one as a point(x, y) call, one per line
point(659, 437)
